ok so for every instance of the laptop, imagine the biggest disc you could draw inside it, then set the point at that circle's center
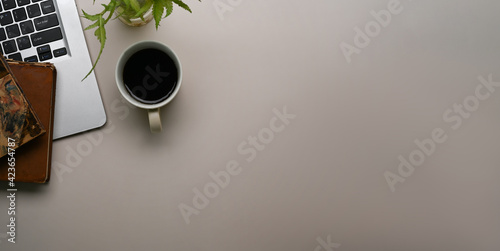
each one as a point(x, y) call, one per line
point(50, 31)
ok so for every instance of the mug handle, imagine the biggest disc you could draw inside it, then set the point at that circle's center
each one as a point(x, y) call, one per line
point(154, 120)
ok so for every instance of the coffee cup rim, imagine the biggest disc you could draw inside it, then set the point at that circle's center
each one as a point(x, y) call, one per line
point(127, 53)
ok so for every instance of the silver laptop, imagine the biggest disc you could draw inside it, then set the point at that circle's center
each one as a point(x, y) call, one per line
point(50, 31)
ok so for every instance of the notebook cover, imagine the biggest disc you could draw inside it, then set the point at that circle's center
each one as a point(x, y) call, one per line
point(18, 122)
point(33, 160)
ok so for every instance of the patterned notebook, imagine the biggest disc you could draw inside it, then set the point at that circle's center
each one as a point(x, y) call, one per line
point(18, 119)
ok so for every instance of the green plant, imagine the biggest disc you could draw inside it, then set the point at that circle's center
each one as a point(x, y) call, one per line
point(132, 8)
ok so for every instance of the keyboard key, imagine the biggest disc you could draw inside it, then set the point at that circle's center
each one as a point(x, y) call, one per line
point(23, 43)
point(33, 10)
point(6, 18)
point(34, 1)
point(31, 59)
point(48, 6)
point(16, 56)
point(43, 49)
point(9, 4)
point(45, 56)
point(9, 46)
point(27, 27)
point(19, 14)
point(22, 2)
point(2, 34)
point(13, 31)
point(60, 52)
point(46, 36)
point(46, 22)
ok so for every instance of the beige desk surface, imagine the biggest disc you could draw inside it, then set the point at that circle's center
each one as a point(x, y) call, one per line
point(316, 182)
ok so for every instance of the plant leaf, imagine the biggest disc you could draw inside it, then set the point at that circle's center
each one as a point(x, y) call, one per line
point(158, 8)
point(170, 7)
point(144, 8)
point(127, 3)
point(182, 5)
point(90, 17)
point(135, 5)
point(100, 33)
point(92, 26)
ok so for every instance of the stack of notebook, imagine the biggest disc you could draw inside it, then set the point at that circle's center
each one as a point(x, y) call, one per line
point(27, 96)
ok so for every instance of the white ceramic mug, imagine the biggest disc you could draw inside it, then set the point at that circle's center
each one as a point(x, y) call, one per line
point(153, 109)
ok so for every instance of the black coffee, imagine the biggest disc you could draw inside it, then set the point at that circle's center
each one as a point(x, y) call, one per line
point(150, 76)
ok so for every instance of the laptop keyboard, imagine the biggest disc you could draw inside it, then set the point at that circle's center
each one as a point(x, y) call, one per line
point(30, 30)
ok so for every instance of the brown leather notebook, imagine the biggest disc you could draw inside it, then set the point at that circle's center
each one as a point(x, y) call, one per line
point(33, 159)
